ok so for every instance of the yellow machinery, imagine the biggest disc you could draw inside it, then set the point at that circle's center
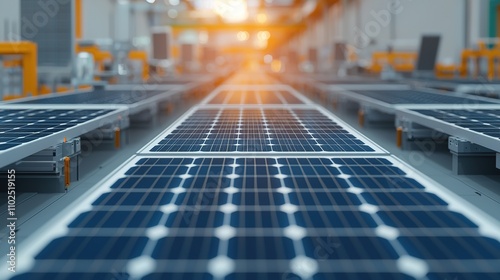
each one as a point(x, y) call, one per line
point(483, 53)
point(399, 61)
point(28, 62)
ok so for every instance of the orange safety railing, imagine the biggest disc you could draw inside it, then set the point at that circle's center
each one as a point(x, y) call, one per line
point(399, 61)
point(29, 62)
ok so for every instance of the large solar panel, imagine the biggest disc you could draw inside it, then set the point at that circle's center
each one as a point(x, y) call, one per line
point(242, 97)
point(419, 97)
point(98, 97)
point(478, 125)
point(244, 129)
point(24, 131)
point(266, 218)
point(346, 81)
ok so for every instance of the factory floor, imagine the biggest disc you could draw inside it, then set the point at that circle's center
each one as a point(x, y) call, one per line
point(34, 209)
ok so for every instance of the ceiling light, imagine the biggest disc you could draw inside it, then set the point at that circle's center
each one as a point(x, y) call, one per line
point(172, 13)
point(231, 10)
point(242, 36)
point(261, 18)
point(263, 35)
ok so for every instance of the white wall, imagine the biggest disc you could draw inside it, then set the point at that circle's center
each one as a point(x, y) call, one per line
point(10, 11)
point(479, 17)
point(364, 23)
point(445, 17)
point(98, 20)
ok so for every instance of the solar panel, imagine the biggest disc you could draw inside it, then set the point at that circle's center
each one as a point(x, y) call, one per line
point(353, 81)
point(480, 125)
point(21, 126)
point(98, 97)
point(266, 218)
point(254, 97)
point(260, 130)
point(482, 121)
point(419, 97)
point(24, 131)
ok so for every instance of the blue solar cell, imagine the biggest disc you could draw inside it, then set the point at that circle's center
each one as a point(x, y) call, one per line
point(403, 199)
point(261, 248)
point(263, 276)
point(186, 248)
point(203, 199)
point(73, 276)
point(195, 218)
point(324, 198)
point(259, 219)
point(464, 275)
point(124, 198)
point(93, 248)
point(452, 247)
point(117, 219)
point(379, 183)
point(178, 276)
point(350, 248)
point(258, 198)
point(425, 219)
point(362, 276)
point(334, 219)
point(147, 183)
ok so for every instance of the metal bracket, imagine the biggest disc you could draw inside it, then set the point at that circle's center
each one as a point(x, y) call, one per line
point(461, 146)
point(48, 160)
point(472, 159)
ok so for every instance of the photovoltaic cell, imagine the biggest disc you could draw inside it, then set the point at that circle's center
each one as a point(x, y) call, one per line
point(98, 97)
point(483, 121)
point(251, 97)
point(259, 130)
point(418, 97)
point(21, 126)
point(208, 218)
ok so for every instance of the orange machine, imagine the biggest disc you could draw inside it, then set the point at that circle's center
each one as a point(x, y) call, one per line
point(29, 61)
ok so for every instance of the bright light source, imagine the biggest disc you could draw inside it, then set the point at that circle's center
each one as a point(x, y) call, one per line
point(261, 18)
point(150, 1)
point(242, 36)
point(231, 10)
point(263, 35)
point(276, 66)
point(268, 58)
point(172, 13)
point(203, 37)
point(174, 2)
